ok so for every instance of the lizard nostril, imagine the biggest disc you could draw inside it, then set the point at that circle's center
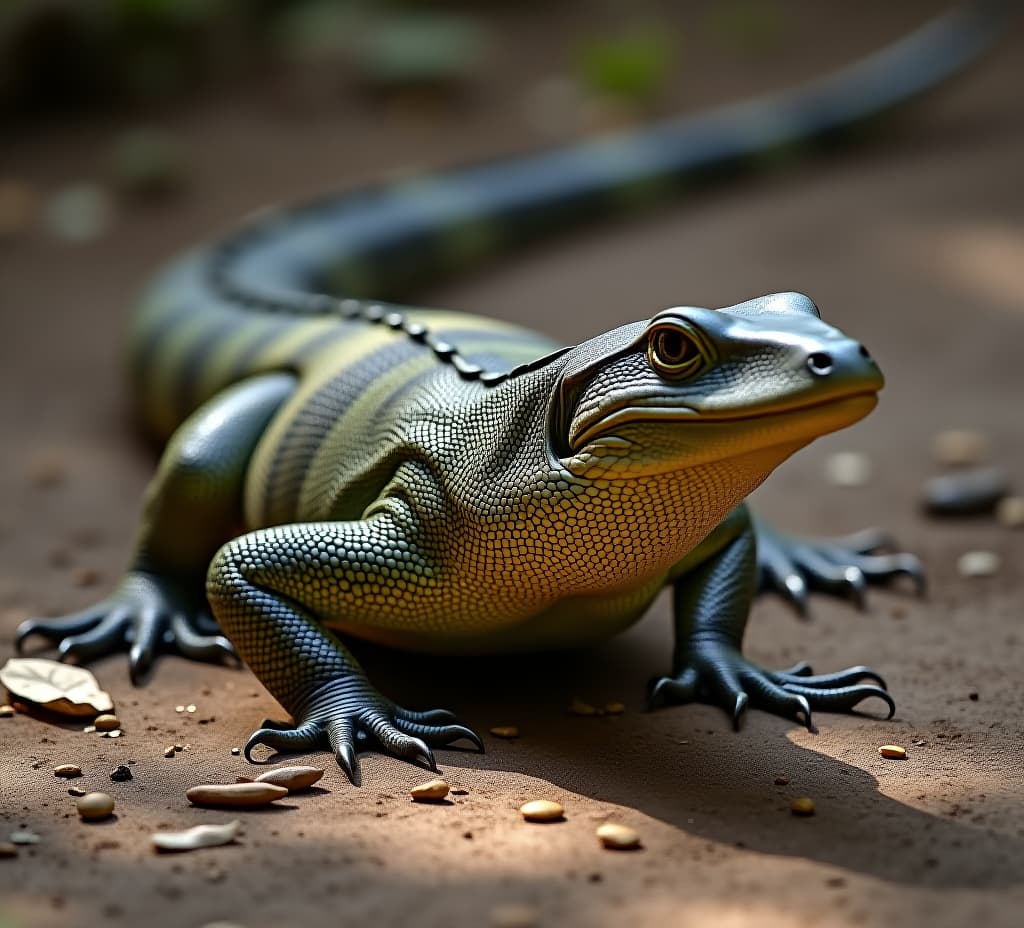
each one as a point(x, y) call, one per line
point(820, 363)
point(864, 353)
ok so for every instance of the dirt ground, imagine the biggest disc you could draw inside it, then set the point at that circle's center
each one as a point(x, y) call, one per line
point(915, 245)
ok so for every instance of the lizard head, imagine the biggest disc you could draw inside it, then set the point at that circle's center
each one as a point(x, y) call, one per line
point(752, 382)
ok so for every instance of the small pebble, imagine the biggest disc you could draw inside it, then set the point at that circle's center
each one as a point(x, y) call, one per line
point(431, 791)
point(1010, 511)
point(24, 837)
point(235, 751)
point(960, 447)
point(120, 774)
point(618, 837)
point(514, 915)
point(106, 722)
point(88, 730)
point(116, 733)
point(190, 707)
point(973, 492)
point(179, 708)
point(979, 564)
point(542, 810)
point(973, 697)
point(7, 711)
point(505, 731)
point(179, 747)
point(802, 806)
point(7, 849)
point(235, 794)
point(292, 779)
point(893, 751)
point(848, 469)
point(580, 707)
point(76, 791)
point(169, 751)
point(95, 806)
point(782, 781)
point(69, 771)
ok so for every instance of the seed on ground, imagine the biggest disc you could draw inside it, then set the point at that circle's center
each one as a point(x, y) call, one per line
point(979, 564)
point(960, 447)
point(542, 810)
point(505, 731)
point(292, 779)
point(893, 751)
point(169, 751)
point(618, 837)
point(190, 707)
point(236, 751)
point(76, 791)
point(802, 806)
point(120, 774)
point(116, 733)
point(614, 708)
point(782, 781)
point(848, 469)
point(431, 791)
point(89, 729)
point(581, 707)
point(179, 708)
point(197, 837)
point(7, 849)
point(235, 794)
point(24, 836)
point(95, 806)
point(69, 771)
point(1010, 511)
point(179, 747)
point(106, 722)
point(6, 711)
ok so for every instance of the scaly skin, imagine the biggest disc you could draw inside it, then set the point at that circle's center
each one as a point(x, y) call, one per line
point(448, 483)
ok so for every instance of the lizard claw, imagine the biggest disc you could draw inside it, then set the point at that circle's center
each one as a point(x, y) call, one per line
point(715, 672)
point(843, 567)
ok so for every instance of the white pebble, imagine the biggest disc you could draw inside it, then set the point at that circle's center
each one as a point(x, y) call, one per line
point(979, 564)
point(193, 838)
point(848, 469)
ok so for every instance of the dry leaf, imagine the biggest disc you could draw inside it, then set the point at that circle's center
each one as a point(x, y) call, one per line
point(193, 838)
point(58, 687)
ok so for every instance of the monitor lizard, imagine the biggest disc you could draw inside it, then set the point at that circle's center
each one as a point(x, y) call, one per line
point(448, 483)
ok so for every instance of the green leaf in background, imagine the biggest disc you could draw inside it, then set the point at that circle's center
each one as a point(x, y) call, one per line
point(633, 66)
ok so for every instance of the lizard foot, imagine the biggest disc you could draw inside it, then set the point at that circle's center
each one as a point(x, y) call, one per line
point(338, 716)
point(147, 614)
point(718, 674)
point(843, 567)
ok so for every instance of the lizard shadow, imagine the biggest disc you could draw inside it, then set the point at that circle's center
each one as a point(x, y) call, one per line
point(686, 766)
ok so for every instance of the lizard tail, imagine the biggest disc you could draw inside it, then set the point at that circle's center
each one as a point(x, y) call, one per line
point(249, 304)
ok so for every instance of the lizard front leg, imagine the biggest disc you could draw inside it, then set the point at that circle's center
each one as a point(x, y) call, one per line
point(267, 589)
point(713, 595)
point(193, 505)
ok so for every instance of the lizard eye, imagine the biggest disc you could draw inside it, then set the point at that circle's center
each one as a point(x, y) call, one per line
point(673, 352)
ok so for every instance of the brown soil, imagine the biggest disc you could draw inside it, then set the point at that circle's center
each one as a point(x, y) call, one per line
point(916, 245)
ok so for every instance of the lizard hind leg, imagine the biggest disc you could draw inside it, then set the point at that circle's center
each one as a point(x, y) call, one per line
point(845, 567)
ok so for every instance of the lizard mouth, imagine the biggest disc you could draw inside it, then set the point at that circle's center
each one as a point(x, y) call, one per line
point(822, 416)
